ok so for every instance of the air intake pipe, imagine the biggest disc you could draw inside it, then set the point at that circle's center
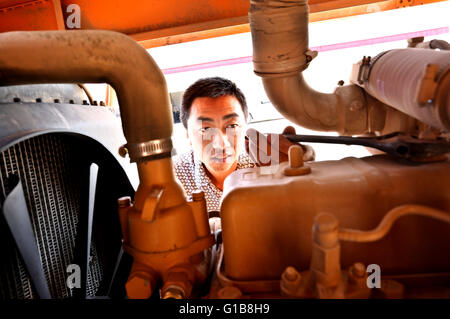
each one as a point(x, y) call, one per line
point(165, 234)
point(280, 53)
point(413, 81)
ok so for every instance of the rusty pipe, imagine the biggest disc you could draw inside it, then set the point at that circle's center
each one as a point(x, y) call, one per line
point(97, 57)
point(280, 53)
point(413, 81)
point(386, 223)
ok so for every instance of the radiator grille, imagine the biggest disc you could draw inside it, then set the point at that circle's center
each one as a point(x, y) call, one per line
point(51, 183)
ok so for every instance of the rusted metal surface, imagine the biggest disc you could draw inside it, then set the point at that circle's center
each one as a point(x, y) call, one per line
point(156, 22)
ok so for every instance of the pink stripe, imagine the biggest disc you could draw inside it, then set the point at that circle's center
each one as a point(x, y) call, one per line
point(390, 38)
point(330, 47)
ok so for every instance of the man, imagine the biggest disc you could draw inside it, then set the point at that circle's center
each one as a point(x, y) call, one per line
point(214, 113)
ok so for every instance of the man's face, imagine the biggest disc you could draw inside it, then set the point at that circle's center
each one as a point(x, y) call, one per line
point(216, 128)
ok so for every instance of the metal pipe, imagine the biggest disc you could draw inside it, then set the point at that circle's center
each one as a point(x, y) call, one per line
point(388, 220)
point(97, 57)
point(280, 53)
point(414, 81)
point(434, 44)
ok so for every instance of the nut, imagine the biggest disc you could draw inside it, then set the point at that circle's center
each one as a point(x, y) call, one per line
point(139, 286)
point(173, 292)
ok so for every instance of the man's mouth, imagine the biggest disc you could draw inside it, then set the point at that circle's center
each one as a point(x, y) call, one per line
point(221, 159)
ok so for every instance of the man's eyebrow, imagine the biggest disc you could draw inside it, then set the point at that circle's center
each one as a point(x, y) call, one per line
point(229, 116)
point(202, 118)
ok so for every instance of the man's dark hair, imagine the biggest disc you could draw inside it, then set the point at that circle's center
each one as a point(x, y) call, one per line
point(210, 87)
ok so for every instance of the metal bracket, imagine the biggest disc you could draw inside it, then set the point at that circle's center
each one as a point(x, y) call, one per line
point(429, 84)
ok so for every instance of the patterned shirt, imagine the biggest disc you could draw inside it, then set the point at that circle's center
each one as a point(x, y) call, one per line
point(191, 173)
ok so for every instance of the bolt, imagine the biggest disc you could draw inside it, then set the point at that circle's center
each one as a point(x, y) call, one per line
point(296, 167)
point(123, 151)
point(295, 156)
point(359, 270)
point(85, 102)
point(290, 280)
point(291, 274)
point(341, 83)
point(366, 60)
point(326, 223)
point(139, 286)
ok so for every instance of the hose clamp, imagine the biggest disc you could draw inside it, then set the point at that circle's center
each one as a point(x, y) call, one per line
point(147, 149)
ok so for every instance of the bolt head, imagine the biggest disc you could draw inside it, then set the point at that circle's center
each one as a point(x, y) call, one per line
point(291, 274)
point(138, 286)
point(359, 270)
point(325, 222)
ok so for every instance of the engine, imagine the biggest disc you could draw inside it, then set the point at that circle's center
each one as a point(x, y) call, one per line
point(372, 227)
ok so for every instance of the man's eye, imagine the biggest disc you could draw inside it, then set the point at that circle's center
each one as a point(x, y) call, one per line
point(233, 126)
point(205, 129)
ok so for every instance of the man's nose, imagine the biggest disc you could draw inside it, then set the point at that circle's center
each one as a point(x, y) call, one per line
point(220, 140)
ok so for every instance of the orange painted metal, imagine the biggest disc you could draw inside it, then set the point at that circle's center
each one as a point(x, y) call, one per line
point(262, 235)
point(31, 15)
point(162, 22)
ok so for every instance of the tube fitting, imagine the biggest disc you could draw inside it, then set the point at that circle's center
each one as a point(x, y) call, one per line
point(278, 35)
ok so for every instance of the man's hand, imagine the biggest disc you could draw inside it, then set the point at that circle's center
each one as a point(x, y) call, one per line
point(260, 148)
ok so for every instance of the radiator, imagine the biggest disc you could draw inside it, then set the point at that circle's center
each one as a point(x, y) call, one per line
point(51, 182)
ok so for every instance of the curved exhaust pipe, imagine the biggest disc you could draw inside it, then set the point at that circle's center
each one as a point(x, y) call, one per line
point(280, 53)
